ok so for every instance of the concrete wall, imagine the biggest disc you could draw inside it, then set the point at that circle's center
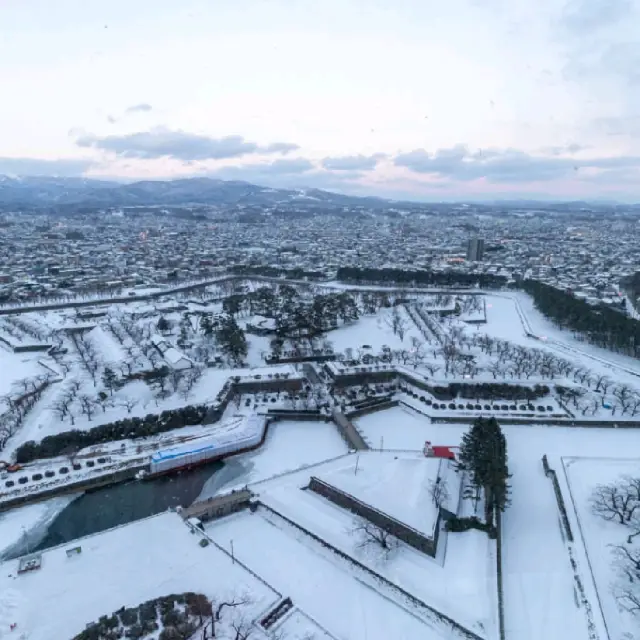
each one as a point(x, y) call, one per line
point(360, 377)
point(268, 385)
point(363, 411)
point(292, 414)
point(312, 358)
point(396, 528)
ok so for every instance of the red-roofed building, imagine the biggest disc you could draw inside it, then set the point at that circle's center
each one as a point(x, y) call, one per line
point(438, 451)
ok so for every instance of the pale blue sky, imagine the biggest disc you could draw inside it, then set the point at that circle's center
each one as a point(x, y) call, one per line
point(419, 98)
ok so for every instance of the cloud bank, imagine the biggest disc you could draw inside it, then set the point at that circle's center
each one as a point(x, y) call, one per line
point(178, 145)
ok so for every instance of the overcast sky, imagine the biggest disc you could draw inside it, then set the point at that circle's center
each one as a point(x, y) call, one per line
point(427, 99)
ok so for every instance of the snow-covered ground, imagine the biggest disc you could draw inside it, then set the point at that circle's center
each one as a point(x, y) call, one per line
point(299, 626)
point(18, 366)
point(125, 566)
point(376, 480)
point(373, 331)
point(289, 445)
point(346, 603)
point(540, 592)
point(538, 578)
point(589, 356)
point(396, 428)
point(583, 474)
point(462, 571)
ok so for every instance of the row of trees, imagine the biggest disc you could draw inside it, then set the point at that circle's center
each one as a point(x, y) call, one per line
point(150, 425)
point(420, 278)
point(17, 404)
point(599, 325)
point(490, 391)
point(275, 272)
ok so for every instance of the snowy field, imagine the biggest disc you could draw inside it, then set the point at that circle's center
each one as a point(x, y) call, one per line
point(538, 579)
point(539, 589)
point(373, 331)
point(289, 445)
point(599, 535)
point(462, 571)
point(503, 318)
point(396, 428)
point(376, 481)
point(18, 366)
point(121, 567)
point(345, 603)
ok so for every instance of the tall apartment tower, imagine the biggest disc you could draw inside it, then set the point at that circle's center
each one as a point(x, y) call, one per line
point(475, 249)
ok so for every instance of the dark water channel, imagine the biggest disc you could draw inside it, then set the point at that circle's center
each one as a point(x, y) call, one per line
point(108, 507)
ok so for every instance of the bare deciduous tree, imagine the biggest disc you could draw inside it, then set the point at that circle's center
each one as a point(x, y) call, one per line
point(370, 535)
point(87, 405)
point(396, 323)
point(439, 491)
point(614, 501)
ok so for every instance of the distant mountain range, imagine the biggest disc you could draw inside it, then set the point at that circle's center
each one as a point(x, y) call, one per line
point(53, 192)
point(50, 191)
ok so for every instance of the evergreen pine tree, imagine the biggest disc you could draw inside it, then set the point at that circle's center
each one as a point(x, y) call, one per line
point(484, 454)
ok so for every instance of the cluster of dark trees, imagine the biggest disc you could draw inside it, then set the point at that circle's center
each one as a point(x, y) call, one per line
point(294, 314)
point(274, 272)
point(483, 453)
point(359, 275)
point(180, 616)
point(74, 440)
point(490, 391)
point(228, 334)
point(631, 285)
point(599, 325)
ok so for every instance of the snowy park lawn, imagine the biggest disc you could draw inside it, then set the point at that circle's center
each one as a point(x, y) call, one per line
point(375, 332)
point(396, 428)
point(462, 572)
point(18, 366)
point(345, 602)
point(583, 474)
point(106, 345)
point(504, 321)
point(289, 445)
point(379, 481)
point(125, 566)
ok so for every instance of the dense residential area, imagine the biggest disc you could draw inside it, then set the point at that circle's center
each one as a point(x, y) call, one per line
point(73, 248)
